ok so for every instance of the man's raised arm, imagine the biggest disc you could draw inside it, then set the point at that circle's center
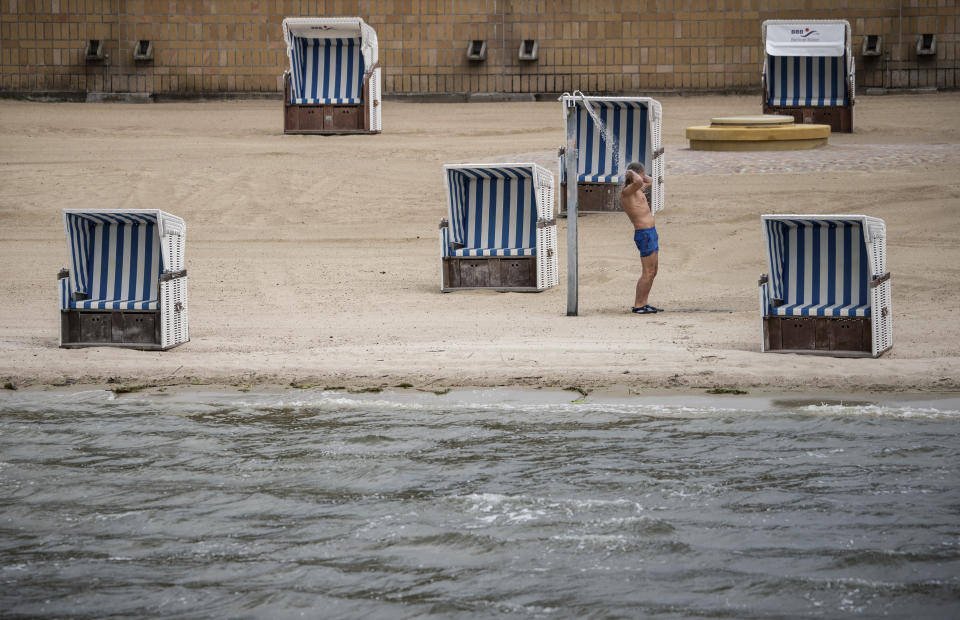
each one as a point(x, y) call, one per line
point(634, 183)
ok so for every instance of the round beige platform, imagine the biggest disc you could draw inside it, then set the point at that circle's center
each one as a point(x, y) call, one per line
point(762, 120)
point(758, 137)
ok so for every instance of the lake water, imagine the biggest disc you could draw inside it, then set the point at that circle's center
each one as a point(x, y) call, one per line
point(476, 504)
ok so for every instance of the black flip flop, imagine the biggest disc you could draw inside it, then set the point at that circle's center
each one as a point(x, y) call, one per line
point(648, 309)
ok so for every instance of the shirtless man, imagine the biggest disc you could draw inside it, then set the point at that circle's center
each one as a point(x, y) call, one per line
point(635, 205)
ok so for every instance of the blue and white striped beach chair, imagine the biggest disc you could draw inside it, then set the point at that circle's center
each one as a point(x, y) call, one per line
point(333, 83)
point(808, 71)
point(828, 288)
point(633, 134)
point(126, 285)
point(500, 232)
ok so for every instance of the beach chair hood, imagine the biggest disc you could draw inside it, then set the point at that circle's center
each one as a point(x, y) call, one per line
point(138, 240)
point(331, 28)
point(806, 38)
point(808, 63)
point(494, 208)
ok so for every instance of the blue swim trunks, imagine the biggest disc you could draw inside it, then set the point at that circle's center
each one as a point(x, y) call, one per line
point(647, 241)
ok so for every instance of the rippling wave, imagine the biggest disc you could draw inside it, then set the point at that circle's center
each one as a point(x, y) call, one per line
point(476, 504)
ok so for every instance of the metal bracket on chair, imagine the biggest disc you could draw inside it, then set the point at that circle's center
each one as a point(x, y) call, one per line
point(173, 275)
point(763, 280)
point(658, 152)
point(660, 180)
point(64, 273)
point(549, 252)
point(884, 312)
point(444, 224)
point(178, 307)
point(776, 303)
point(546, 223)
point(878, 280)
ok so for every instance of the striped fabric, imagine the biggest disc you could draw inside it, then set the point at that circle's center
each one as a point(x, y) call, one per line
point(334, 101)
point(627, 124)
point(492, 211)
point(807, 81)
point(818, 267)
point(445, 241)
point(495, 251)
point(115, 261)
point(63, 293)
point(326, 71)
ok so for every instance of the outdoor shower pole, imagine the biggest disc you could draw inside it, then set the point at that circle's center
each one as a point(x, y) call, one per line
point(570, 109)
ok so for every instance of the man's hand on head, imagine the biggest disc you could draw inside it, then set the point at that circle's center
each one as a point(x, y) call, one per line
point(631, 177)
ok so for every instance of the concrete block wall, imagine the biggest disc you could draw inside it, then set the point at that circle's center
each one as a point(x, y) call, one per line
point(612, 46)
point(900, 24)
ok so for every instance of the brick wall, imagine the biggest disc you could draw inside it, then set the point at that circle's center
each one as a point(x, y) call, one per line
point(210, 46)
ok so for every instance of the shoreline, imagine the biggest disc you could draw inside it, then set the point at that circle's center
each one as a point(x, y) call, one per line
point(432, 365)
point(612, 367)
point(406, 395)
point(272, 385)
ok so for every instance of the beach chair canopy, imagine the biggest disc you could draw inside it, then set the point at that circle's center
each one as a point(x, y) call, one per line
point(116, 257)
point(328, 58)
point(627, 127)
point(808, 63)
point(819, 266)
point(493, 209)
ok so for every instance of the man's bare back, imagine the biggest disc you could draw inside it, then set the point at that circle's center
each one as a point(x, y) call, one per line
point(633, 201)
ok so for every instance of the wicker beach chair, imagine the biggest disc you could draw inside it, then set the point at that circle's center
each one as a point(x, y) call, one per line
point(808, 71)
point(500, 233)
point(828, 288)
point(634, 126)
point(333, 84)
point(126, 285)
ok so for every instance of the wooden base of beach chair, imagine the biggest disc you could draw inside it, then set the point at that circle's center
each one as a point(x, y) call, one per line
point(134, 329)
point(593, 198)
point(325, 119)
point(836, 336)
point(328, 119)
point(507, 273)
point(840, 118)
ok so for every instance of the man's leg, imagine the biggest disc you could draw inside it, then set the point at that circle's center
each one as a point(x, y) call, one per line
point(645, 283)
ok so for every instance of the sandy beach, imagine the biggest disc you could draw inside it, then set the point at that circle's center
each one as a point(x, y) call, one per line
point(315, 260)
